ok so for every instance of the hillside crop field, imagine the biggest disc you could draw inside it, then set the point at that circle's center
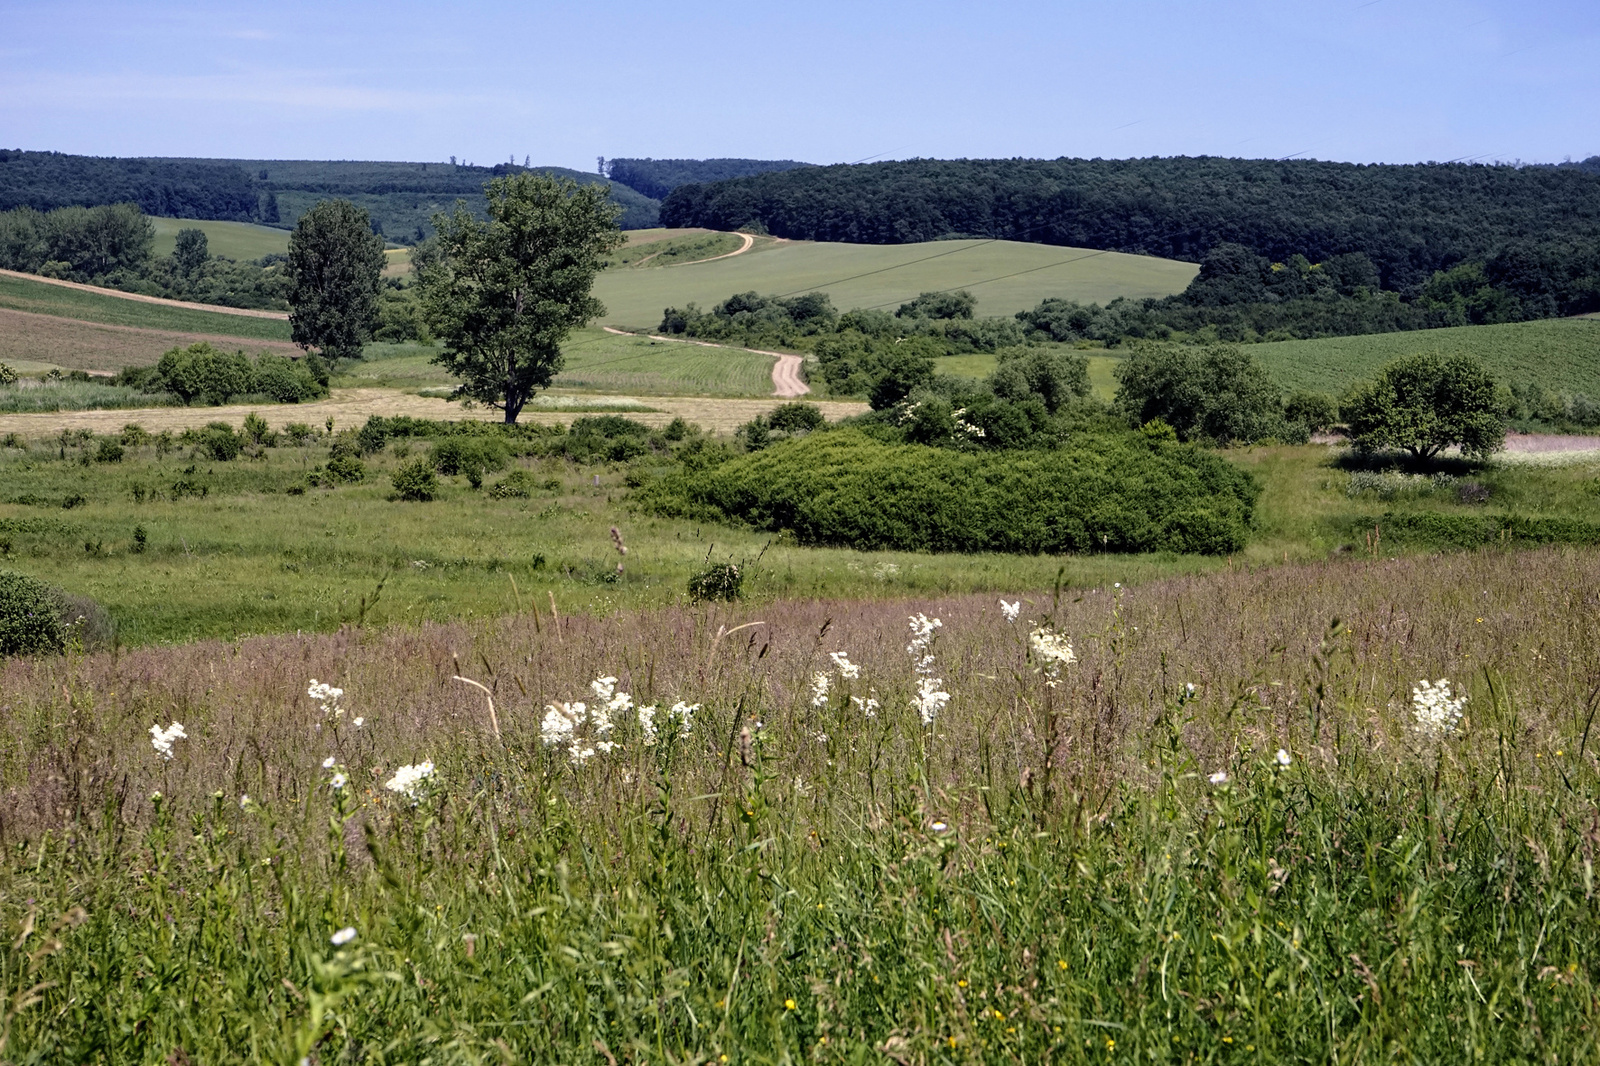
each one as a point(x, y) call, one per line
point(40, 298)
point(1005, 276)
point(233, 240)
point(1562, 355)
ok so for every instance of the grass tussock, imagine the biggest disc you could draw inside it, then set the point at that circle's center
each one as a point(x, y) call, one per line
point(1027, 872)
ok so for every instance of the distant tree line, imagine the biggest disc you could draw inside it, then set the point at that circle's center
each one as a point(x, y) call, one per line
point(1409, 220)
point(658, 177)
point(174, 188)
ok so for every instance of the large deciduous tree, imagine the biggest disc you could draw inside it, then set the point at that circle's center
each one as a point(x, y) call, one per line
point(504, 294)
point(1220, 393)
point(335, 270)
point(1424, 404)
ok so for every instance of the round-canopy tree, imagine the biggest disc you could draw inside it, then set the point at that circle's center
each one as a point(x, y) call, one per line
point(1424, 404)
point(504, 294)
point(335, 270)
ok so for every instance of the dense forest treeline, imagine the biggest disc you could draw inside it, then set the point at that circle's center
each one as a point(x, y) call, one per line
point(658, 177)
point(401, 198)
point(1410, 220)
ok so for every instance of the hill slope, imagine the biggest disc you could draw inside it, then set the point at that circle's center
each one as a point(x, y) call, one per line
point(1005, 276)
point(1411, 220)
point(658, 177)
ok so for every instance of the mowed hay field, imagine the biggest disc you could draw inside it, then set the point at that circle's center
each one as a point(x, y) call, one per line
point(1005, 276)
point(231, 240)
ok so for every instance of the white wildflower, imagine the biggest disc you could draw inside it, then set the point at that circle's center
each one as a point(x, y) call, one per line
point(821, 738)
point(338, 781)
point(163, 739)
point(1219, 778)
point(938, 827)
point(1436, 709)
point(929, 700)
point(413, 782)
point(561, 720)
point(923, 632)
point(1010, 610)
point(820, 683)
point(605, 690)
point(847, 669)
point(329, 762)
point(647, 725)
point(358, 721)
point(328, 696)
point(1052, 651)
point(343, 937)
point(868, 707)
point(683, 714)
point(1282, 757)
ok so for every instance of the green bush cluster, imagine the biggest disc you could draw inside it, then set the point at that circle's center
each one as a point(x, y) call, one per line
point(201, 373)
point(1122, 493)
point(415, 481)
point(1438, 529)
point(30, 616)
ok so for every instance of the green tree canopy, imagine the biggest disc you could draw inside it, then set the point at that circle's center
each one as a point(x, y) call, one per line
point(1220, 393)
point(336, 268)
point(504, 294)
point(192, 251)
point(1424, 404)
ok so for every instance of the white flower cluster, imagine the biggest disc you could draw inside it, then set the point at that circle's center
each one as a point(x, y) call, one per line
point(930, 698)
point(847, 669)
point(163, 739)
point(820, 683)
point(1010, 610)
point(963, 426)
point(868, 707)
point(1052, 651)
point(585, 730)
point(339, 778)
point(328, 696)
point(680, 713)
point(413, 782)
point(1435, 708)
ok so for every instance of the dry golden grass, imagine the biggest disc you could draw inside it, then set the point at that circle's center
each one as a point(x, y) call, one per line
point(352, 407)
point(72, 344)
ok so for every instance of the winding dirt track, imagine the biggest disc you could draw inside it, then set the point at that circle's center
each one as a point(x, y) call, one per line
point(785, 372)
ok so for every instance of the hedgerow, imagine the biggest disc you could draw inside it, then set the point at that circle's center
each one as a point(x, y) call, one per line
point(1123, 493)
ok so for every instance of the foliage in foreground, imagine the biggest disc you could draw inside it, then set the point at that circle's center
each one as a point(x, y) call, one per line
point(1108, 493)
point(1066, 860)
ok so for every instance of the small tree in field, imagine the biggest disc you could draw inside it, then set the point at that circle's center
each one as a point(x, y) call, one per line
point(1425, 404)
point(504, 294)
point(335, 270)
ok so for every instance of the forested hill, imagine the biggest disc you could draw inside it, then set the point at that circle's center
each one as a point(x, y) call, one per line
point(658, 177)
point(180, 188)
point(1411, 220)
point(400, 197)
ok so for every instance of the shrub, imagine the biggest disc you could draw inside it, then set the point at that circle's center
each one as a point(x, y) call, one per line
point(256, 429)
point(1316, 411)
point(790, 418)
point(1108, 493)
point(201, 372)
point(518, 484)
point(1220, 394)
point(134, 435)
point(30, 616)
point(220, 442)
point(286, 380)
point(719, 581)
point(469, 455)
point(8, 376)
point(415, 481)
point(344, 470)
point(109, 451)
point(298, 432)
point(1056, 378)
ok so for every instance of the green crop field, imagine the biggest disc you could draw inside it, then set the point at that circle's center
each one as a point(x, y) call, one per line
point(1562, 355)
point(232, 240)
point(1005, 276)
point(37, 297)
point(982, 364)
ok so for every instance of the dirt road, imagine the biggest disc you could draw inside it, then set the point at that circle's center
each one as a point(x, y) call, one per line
point(786, 380)
point(245, 312)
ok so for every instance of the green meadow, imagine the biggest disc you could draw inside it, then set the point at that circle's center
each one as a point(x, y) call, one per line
point(242, 241)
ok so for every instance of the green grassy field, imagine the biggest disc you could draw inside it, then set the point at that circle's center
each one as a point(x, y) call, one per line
point(1562, 355)
point(36, 297)
point(1102, 381)
point(232, 240)
point(1005, 276)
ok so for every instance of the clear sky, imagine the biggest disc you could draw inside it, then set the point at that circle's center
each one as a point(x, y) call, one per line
point(824, 81)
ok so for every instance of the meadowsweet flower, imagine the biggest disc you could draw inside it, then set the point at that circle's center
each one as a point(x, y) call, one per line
point(1219, 778)
point(847, 669)
point(923, 632)
point(1010, 610)
point(328, 696)
point(929, 700)
point(1051, 651)
point(868, 707)
point(413, 782)
point(343, 937)
point(820, 683)
point(1435, 708)
point(683, 714)
point(561, 720)
point(1282, 757)
point(647, 725)
point(163, 739)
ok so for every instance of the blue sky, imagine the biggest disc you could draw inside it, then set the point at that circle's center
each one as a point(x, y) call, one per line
point(1383, 81)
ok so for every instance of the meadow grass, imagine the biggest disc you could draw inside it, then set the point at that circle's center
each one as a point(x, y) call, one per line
point(37, 297)
point(859, 275)
point(71, 396)
point(1563, 355)
point(248, 557)
point(1102, 380)
point(1108, 865)
point(662, 248)
point(233, 240)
